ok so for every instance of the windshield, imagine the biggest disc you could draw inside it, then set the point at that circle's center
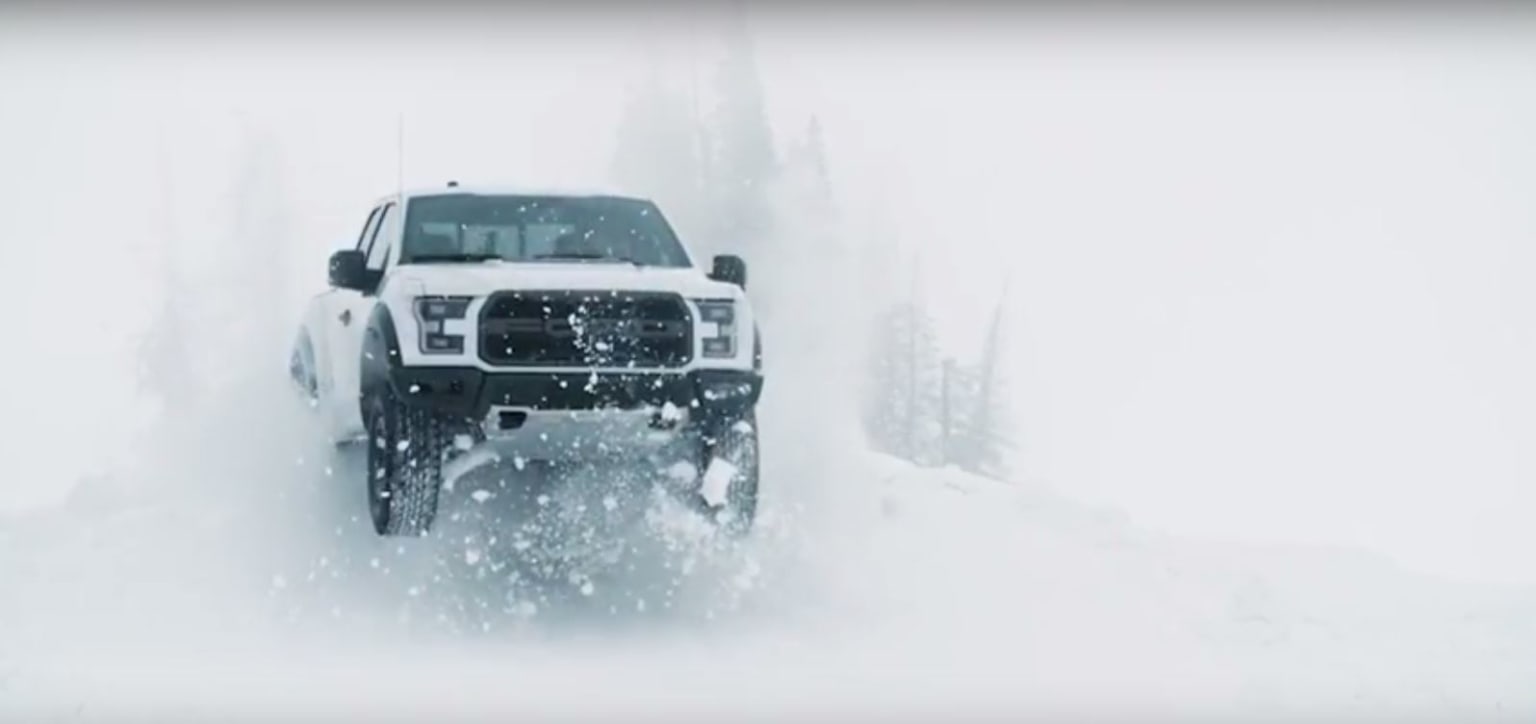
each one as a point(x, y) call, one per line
point(600, 229)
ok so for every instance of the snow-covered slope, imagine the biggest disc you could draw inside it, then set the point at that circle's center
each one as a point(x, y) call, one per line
point(232, 574)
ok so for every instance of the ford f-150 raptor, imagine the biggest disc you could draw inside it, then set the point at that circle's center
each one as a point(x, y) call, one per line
point(554, 326)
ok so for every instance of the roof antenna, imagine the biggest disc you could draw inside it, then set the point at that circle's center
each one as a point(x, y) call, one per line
point(400, 153)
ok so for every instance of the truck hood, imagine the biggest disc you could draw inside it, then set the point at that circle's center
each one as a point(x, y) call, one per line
point(479, 279)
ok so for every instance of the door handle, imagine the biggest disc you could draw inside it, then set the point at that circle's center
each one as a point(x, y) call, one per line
point(345, 317)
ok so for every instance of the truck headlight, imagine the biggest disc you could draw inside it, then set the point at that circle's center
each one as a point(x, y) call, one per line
point(433, 315)
point(717, 328)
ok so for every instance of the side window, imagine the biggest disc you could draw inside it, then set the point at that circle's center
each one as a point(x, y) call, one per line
point(378, 249)
point(366, 233)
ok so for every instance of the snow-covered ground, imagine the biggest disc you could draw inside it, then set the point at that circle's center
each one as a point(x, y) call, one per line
point(232, 576)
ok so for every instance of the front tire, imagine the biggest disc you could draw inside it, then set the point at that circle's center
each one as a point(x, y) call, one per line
point(735, 442)
point(406, 447)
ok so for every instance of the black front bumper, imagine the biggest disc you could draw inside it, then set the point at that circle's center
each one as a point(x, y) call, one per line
point(471, 393)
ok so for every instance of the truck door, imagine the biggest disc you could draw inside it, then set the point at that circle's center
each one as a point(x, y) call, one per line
point(350, 320)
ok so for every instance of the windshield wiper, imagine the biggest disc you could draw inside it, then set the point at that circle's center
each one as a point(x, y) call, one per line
point(448, 258)
point(588, 256)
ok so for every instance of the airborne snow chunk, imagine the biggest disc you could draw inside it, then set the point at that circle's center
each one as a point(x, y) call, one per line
point(462, 465)
point(683, 472)
point(717, 480)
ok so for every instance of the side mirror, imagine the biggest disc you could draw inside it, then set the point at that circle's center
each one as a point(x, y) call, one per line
point(349, 270)
point(730, 269)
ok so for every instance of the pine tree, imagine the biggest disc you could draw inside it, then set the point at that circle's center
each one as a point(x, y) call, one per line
point(258, 310)
point(657, 154)
point(981, 433)
point(815, 158)
point(809, 230)
point(810, 267)
point(744, 163)
point(804, 175)
point(166, 370)
point(903, 396)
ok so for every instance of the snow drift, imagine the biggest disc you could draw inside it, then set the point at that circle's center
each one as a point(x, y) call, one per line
point(239, 580)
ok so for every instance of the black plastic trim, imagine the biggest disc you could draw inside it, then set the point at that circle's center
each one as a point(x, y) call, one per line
point(470, 393)
point(485, 325)
point(381, 350)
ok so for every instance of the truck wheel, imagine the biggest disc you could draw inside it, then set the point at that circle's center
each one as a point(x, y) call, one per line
point(301, 368)
point(405, 465)
point(736, 443)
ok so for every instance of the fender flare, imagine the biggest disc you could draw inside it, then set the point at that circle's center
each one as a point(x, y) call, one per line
point(380, 354)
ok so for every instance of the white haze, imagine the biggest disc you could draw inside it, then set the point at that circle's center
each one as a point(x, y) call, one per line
point(1266, 283)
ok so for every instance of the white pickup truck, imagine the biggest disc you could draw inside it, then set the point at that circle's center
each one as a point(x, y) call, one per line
point(558, 326)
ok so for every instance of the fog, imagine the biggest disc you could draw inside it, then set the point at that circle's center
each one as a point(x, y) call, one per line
point(1265, 270)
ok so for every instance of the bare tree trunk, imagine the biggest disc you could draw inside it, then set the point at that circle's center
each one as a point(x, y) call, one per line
point(946, 432)
point(981, 421)
point(912, 363)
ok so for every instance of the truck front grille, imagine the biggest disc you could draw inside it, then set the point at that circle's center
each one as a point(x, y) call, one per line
point(586, 329)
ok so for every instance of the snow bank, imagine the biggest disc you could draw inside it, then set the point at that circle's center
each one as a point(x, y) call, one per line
point(246, 586)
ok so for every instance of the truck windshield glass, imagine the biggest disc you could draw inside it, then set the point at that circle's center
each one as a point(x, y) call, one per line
point(597, 229)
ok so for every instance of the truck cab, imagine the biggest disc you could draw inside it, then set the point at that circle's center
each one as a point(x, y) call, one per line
point(545, 324)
